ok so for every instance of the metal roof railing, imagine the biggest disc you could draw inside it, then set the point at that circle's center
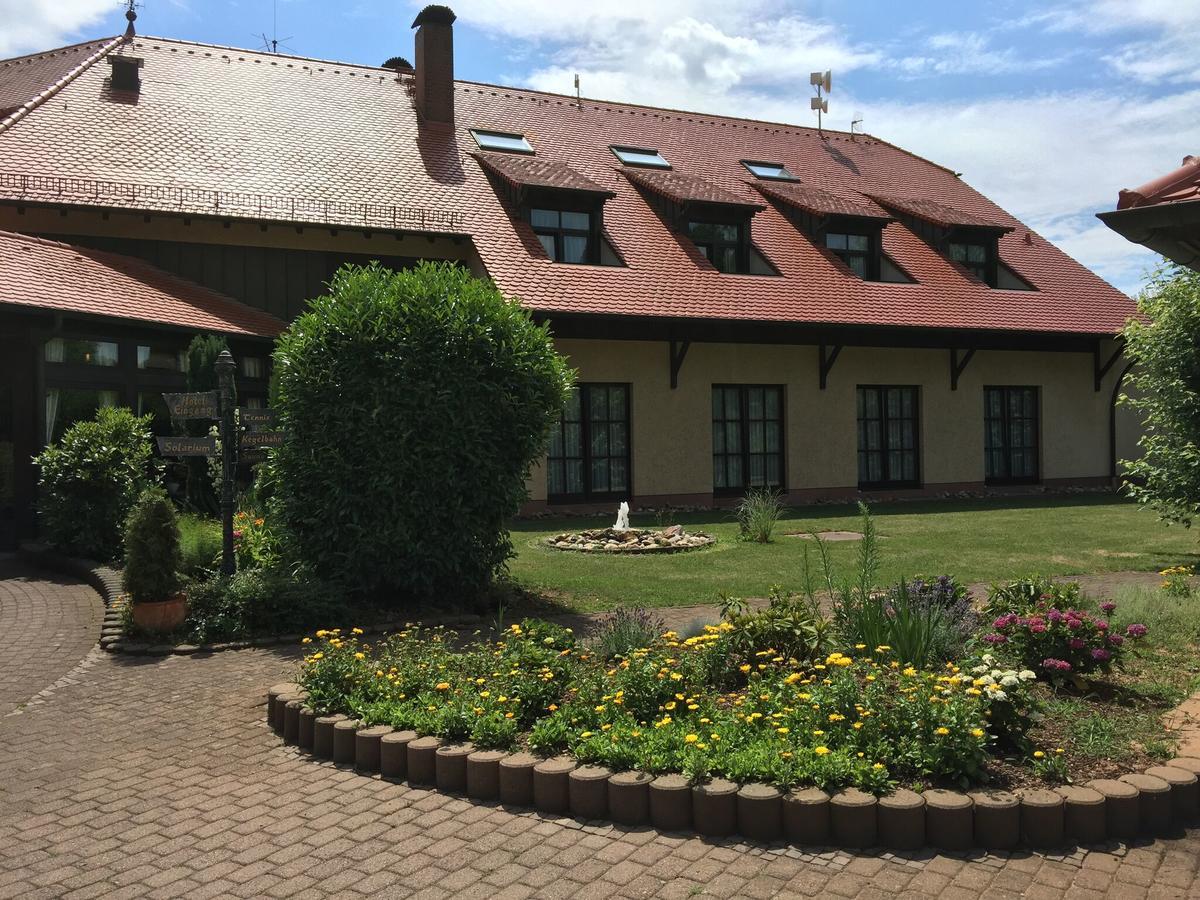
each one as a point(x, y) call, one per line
point(38, 188)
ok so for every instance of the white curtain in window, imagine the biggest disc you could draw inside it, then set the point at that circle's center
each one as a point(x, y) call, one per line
point(52, 396)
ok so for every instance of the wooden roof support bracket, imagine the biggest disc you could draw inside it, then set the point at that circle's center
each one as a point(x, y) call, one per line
point(826, 361)
point(1100, 370)
point(678, 351)
point(958, 366)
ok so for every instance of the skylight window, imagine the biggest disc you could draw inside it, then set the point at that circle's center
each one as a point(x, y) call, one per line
point(501, 140)
point(771, 171)
point(640, 156)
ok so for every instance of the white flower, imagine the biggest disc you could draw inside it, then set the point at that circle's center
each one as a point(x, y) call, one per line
point(998, 694)
point(1010, 680)
point(979, 670)
point(1026, 675)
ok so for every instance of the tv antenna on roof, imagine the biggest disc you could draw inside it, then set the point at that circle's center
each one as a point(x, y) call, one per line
point(823, 83)
point(271, 44)
point(578, 99)
point(855, 123)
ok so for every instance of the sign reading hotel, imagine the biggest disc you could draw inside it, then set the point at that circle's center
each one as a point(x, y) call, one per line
point(202, 405)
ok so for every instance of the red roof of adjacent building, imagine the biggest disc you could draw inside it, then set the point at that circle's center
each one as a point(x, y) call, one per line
point(941, 214)
point(1175, 187)
point(24, 78)
point(243, 133)
point(814, 200)
point(680, 187)
point(51, 275)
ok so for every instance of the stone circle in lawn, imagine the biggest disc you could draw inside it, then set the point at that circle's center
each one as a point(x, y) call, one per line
point(630, 540)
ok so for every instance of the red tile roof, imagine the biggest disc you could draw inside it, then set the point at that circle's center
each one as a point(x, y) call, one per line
point(25, 77)
point(1175, 187)
point(43, 274)
point(252, 124)
point(823, 203)
point(680, 187)
point(520, 171)
point(941, 214)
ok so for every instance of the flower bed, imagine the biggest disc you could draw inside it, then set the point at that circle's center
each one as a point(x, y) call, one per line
point(630, 540)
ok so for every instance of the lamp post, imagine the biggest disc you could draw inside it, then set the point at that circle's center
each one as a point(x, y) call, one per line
point(225, 368)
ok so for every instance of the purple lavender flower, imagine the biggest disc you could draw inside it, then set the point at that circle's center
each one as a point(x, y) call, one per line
point(995, 638)
point(1101, 655)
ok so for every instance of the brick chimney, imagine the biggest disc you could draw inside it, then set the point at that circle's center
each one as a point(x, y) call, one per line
point(435, 64)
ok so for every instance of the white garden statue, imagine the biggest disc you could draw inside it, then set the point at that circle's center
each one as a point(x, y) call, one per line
point(622, 517)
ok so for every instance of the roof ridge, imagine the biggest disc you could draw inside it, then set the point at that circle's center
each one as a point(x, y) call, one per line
point(51, 52)
point(314, 59)
point(28, 106)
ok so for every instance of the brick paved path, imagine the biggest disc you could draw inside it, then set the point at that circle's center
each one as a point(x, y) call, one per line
point(48, 623)
point(156, 777)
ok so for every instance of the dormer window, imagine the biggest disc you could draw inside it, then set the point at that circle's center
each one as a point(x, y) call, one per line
point(722, 243)
point(856, 251)
point(976, 256)
point(566, 235)
point(125, 72)
point(640, 156)
point(501, 140)
point(769, 171)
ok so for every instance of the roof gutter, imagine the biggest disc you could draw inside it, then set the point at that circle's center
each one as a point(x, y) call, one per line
point(1172, 229)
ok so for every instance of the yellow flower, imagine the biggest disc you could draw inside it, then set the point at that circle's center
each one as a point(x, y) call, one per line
point(744, 668)
point(977, 732)
point(857, 725)
point(586, 734)
point(691, 738)
point(552, 707)
point(782, 730)
point(877, 767)
point(821, 751)
point(485, 694)
point(356, 631)
point(360, 655)
point(793, 678)
point(442, 686)
point(942, 731)
point(318, 655)
point(1038, 754)
point(322, 633)
point(306, 640)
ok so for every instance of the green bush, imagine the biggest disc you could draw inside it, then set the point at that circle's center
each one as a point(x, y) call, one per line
point(199, 545)
point(414, 404)
point(90, 480)
point(258, 601)
point(626, 630)
point(152, 557)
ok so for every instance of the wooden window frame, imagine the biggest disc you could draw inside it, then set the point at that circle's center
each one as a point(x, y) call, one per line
point(1006, 420)
point(560, 234)
point(744, 438)
point(989, 271)
point(888, 482)
point(871, 254)
point(588, 495)
point(741, 245)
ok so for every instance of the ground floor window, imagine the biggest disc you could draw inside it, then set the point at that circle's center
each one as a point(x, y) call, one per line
point(747, 437)
point(887, 436)
point(1010, 417)
point(66, 406)
point(589, 447)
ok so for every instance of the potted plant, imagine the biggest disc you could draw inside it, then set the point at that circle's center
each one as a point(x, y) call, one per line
point(152, 561)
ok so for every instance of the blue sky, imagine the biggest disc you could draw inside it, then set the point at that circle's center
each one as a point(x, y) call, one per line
point(1049, 108)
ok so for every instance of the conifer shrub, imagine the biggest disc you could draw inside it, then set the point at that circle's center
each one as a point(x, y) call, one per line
point(413, 405)
point(152, 557)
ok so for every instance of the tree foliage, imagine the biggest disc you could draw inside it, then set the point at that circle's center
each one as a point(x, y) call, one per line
point(152, 555)
point(90, 480)
point(413, 404)
point(1165, 346)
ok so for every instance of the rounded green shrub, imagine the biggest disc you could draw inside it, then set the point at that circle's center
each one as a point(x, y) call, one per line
point(152, 556)
point(90, 479)
point(413, 404)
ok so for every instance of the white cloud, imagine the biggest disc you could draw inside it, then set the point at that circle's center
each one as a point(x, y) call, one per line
point(33, 25)
point(967, 53)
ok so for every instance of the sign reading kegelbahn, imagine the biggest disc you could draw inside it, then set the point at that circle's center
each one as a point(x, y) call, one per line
point(253, 440)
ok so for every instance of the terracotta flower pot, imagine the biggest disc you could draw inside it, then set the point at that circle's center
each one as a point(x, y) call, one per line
point(162, 615)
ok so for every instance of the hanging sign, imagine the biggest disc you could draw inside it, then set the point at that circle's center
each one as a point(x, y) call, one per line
point(201, 405)
point(256, 419)
point(187, 446)
point(253, 440)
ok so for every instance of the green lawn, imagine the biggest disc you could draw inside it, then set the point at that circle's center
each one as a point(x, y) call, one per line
point(974, 540)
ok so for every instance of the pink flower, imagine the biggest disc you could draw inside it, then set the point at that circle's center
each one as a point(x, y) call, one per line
point(1108, 606)
point(1101, 625)
point(1076, 643)
point(1136, 630)
point(1037, 628)
point(1056, 665)
point(1115, 639)
point(1073, 623)
point(1101, 655)
point(995, 638)
point(1054, 615)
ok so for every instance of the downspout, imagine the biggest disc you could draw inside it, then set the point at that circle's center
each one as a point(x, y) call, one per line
point(1112, 422)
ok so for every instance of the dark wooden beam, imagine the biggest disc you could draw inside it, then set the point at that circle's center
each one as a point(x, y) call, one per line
point(827, 360)
point(1102, 369)
point(958, 366)
point(678, 351)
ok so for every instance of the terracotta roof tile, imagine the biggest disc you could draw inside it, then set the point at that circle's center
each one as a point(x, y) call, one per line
point(814, 200)
point(350, 134)
point(43, 274)
point(1175, 187)
point(681, 187)
point(24, 77)
point(538, 172)
point(935, 213)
